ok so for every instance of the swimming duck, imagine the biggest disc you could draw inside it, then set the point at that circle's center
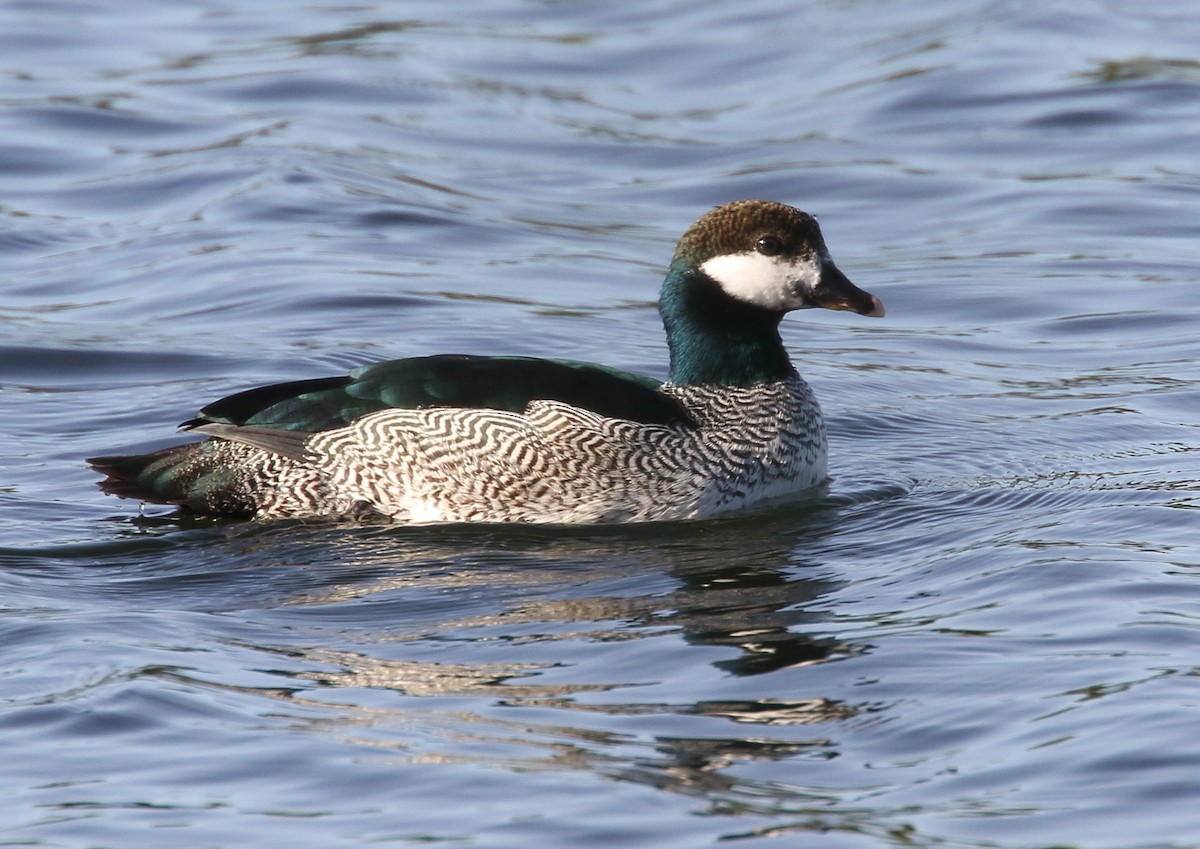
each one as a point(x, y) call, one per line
point(517, 439)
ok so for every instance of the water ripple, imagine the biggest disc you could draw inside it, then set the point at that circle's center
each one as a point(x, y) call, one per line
point(934, 651)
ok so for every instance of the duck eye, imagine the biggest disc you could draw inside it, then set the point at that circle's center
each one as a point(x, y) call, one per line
point(769, 245)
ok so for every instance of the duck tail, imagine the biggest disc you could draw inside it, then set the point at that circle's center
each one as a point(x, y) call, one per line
point(196, 476)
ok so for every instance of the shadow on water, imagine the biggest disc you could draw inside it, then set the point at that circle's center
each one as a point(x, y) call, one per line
point(470, 645)
point(741, 583)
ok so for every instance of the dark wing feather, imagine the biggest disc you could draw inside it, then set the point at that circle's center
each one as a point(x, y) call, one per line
point(289, 406)
point(499, 383)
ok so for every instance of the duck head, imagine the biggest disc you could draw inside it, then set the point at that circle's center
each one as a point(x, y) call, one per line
point(735, 273)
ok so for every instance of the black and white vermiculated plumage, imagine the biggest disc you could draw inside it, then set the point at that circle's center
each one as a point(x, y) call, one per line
point(516, 439)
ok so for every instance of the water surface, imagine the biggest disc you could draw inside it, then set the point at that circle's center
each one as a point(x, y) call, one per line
point(984, 635)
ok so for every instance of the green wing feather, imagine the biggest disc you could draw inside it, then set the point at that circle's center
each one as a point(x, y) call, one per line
point(498, 383)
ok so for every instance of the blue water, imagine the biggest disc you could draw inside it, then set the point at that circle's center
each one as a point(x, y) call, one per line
point(986, 635)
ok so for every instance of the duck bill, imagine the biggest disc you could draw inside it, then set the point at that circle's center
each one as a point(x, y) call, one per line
point(834, 291)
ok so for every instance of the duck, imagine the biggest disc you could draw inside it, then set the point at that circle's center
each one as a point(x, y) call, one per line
point(509, 439)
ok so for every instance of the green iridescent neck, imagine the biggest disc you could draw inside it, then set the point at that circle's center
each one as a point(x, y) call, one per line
point(715, 340)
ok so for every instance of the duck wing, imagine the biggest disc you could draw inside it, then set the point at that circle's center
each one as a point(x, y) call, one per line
point(449, 380)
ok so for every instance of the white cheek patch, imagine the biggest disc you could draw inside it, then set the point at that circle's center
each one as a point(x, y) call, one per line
point(770, 282)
